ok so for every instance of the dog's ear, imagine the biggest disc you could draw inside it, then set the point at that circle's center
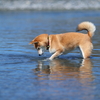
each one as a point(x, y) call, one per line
point(33, 42)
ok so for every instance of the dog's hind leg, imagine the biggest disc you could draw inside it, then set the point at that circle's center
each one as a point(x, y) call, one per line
point(86, 49)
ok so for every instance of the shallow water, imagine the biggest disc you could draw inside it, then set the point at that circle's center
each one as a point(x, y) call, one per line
point(25, 76)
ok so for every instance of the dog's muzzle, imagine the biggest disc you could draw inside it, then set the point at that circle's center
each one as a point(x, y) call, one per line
point(40, 54)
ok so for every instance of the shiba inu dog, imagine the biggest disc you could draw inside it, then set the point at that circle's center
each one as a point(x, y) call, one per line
point(59, 44)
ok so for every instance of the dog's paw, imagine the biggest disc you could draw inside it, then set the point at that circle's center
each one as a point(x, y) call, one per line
point(47, 59)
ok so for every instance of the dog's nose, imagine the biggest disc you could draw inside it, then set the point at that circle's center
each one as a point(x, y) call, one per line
point(40, 54)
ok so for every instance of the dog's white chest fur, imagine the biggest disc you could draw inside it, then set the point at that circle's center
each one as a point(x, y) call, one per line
point(52, 50)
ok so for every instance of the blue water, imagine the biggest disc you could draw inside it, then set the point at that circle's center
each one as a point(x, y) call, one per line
point(25, 76)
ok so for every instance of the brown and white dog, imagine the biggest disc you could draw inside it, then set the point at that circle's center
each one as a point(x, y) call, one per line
point(63, 43)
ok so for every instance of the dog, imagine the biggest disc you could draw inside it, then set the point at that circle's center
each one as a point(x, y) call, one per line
point(59, 44)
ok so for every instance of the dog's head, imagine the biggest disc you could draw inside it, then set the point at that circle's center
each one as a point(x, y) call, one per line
point(40, 42)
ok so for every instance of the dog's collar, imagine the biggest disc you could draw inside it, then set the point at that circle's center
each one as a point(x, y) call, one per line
point(47, 47)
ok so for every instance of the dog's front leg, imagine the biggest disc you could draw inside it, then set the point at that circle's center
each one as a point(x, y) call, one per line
point(57, 53)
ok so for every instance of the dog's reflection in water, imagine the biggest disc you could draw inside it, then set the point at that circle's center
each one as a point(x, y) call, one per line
point(62, 69)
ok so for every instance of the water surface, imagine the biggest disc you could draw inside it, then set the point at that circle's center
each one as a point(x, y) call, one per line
point(25, 76)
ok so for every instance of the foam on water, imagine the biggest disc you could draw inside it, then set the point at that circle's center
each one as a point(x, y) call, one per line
point(49, 4)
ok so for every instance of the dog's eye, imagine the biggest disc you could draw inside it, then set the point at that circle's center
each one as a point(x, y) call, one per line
point(38, 48)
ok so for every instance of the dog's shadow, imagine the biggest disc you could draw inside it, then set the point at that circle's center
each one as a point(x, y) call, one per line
point(61, 69)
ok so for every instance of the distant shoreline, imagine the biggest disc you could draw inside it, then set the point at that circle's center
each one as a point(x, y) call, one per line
point(41, 5)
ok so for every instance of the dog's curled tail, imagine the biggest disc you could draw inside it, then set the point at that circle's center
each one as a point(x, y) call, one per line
point(90, 27)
